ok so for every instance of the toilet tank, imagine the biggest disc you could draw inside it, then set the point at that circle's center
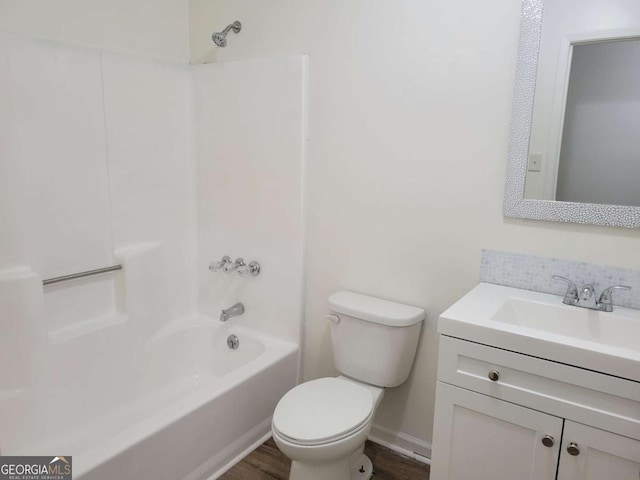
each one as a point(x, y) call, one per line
point(374, 340)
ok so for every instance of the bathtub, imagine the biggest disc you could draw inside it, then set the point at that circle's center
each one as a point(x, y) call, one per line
point(184, 406)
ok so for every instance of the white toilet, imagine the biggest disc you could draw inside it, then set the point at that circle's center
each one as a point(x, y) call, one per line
point(322, 425)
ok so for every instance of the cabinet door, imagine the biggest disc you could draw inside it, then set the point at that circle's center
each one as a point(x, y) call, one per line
point(477, 437)
point(597, 455)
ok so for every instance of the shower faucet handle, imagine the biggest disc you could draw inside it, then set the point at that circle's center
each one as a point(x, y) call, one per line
point(231, 267)
point(252, 269)
point(217, 266)
point(239, 266)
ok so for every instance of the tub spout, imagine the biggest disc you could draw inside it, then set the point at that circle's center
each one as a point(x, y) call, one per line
point(233, 311)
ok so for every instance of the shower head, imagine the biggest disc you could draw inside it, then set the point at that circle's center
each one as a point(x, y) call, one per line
point(220, 38)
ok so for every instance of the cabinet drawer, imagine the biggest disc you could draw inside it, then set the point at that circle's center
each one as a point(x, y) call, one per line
point(606, 402)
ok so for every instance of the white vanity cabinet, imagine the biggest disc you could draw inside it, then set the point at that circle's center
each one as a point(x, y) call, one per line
point(598, 455)
point(480, 437)
point(502, 415)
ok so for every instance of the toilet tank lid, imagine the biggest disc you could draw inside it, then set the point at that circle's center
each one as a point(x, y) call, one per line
point(384, 312)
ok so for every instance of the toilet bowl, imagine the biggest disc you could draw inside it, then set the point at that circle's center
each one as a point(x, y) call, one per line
point(322, 425)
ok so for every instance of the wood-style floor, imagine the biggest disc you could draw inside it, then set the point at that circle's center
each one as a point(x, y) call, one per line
point(267, 463)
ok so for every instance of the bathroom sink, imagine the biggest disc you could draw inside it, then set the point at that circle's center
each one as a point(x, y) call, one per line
point(540, 325)
point(580, 323)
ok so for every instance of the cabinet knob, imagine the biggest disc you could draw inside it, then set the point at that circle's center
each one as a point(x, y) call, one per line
point(573, 449)
point(494, 375)
point(547, 441)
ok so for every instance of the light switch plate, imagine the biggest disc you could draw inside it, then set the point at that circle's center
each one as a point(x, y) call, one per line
point(535, 162)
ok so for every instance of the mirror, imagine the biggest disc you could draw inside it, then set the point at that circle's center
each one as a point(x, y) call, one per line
point(574, 152)
point(586, 147)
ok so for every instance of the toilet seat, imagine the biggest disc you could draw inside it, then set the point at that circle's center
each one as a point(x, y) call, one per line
point(323, 411)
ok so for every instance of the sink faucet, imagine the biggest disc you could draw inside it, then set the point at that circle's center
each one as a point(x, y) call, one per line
point(586, 297)
point(232, 311)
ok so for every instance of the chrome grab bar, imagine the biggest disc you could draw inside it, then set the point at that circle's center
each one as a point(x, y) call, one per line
point(88, 273)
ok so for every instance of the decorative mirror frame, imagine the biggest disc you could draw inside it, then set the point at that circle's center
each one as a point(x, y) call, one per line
point(515, 205)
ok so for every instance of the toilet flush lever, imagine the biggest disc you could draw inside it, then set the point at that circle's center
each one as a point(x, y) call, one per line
point(333, 318)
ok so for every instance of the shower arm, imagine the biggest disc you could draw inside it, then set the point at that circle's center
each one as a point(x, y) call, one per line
point(235, 26)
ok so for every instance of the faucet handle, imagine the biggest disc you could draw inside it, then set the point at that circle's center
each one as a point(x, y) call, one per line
point(571, 296)
point(252, 269)
point(217, 266)
point(606, 298)
point(230, 267)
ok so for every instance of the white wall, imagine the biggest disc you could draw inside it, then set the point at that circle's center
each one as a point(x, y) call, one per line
point(409, 113)
point(150, 28)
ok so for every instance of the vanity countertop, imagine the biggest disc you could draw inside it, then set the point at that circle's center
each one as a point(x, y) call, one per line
point(540, 325)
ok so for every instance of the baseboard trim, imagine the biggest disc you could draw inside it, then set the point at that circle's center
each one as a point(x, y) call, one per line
point(402, 443)
point(399, 442)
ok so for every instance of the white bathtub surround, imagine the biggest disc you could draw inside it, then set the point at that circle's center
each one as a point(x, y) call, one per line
point(532, 272)
point(22, 322)
point(62, 380)
point(123, 409)
point(251, 152)
point(65, 208)
point(88, 133)
point(98, 167)
point(148, 123)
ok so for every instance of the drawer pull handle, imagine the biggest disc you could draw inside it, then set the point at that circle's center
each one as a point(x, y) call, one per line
point(547, 441)
point(494, 375)
point(573, 449)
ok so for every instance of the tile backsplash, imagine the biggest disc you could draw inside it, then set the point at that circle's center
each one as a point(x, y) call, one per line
point(534, 273)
